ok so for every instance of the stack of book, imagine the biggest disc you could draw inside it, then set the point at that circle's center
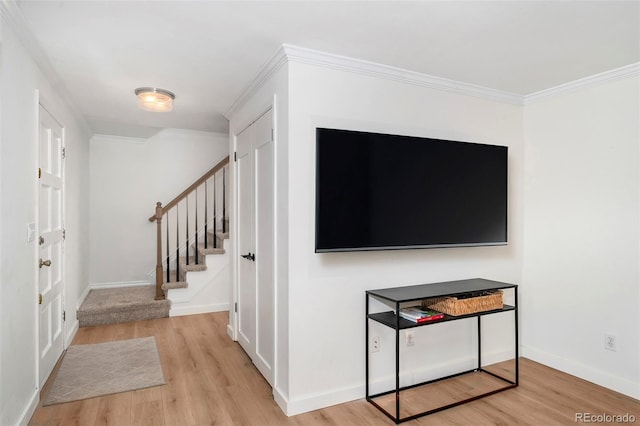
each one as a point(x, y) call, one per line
point(419, 315)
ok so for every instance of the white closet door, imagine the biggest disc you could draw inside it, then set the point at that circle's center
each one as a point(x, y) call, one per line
point(246, 267)
point(265, 245)
point(256, 243)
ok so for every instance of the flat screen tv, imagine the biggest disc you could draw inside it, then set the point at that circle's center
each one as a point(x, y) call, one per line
point(383, 192)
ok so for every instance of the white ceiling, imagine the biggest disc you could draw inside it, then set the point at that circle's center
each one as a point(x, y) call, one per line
point(207, 52)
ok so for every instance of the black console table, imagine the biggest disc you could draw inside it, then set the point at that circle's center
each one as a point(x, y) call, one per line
point(395, 297)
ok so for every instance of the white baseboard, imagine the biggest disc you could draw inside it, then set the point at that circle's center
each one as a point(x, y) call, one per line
point(83, 296)
point(29, 409)
point(231, 333)
point(292, 407)
point(583, 371)
point(177, 311)
point(280, 399)
point(71, 333)
point(318, 401)
point(100, 286)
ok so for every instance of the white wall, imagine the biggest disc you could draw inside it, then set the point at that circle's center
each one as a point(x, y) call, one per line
point(127, 178)
point(20, 79)
point(581, 258)
point(326, 291)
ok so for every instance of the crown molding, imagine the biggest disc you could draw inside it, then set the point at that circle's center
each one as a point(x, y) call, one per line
point(274, 63)
point(632, 70)
point(290, 53)
point(12, 16)
point(359, 66)
point(116, 139)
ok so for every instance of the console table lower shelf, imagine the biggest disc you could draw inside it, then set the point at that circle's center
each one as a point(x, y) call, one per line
point(410, 402)
point(440, 394)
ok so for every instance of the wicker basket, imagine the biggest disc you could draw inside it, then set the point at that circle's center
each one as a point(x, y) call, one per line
point(455, 306)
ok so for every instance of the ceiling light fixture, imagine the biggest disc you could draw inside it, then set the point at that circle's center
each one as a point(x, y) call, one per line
point(153, 99)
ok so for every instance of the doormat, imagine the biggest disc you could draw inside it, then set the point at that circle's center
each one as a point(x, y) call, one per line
point(101, 369)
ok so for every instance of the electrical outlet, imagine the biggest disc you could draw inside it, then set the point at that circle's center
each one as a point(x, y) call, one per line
point(409, 338)
point(610, 342)
point(375, 344)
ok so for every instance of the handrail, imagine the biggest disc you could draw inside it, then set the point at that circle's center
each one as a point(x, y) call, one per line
point(191, 188)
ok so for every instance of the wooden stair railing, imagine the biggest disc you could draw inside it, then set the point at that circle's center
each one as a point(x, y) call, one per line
point(211, 197)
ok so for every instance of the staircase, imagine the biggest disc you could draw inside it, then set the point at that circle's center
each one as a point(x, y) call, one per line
point(192, 273)
point(203, 286)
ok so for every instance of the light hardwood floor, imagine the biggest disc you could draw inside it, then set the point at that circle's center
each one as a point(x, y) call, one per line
point(211, 381)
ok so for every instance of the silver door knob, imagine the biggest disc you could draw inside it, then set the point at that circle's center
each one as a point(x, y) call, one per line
point(45, 263)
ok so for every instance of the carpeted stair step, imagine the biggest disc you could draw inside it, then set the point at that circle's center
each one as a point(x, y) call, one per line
point(172, 282)
point(124, 304)
point(209, 250)
point(192, 266)
point(219, 236)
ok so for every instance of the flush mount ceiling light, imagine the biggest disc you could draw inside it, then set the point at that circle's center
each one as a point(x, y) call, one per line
point(153, 99)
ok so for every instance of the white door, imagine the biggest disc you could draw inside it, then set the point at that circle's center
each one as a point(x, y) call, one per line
point(256, 243)
point(51, 261)
point(246, 267)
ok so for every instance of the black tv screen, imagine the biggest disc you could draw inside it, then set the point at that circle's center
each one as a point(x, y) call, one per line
point(382, 192)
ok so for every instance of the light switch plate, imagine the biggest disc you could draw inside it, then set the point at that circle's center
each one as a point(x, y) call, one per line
point(31, 232)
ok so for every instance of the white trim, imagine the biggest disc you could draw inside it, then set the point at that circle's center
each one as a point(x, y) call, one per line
point(30, 409)
point(36, 248)
point(290, 53)
point(632, 70)
point(230, 329)
point(71, 333)
point(359, 66)
point(10, 11)
point(280, 399)
point(274, 63)
point(324, 400)
point(115, 139)
point(99, 286)
point(339, 396)
point(177, 311)
point(583, 371)
point(83, 296)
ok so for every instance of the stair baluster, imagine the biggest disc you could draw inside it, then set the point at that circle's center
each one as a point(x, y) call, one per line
point(224, 201)
point(215, 215)
point(195, 254)
point(206, 218)
point(177, 243)
point(187, 227)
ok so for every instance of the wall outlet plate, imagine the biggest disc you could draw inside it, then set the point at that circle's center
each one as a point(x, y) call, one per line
point(375, 344)
point(610, 342)
point(410, 338)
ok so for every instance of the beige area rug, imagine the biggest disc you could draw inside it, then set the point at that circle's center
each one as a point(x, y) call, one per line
point(100, 369)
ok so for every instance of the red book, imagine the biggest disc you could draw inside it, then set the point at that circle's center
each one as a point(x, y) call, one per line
point(431, 318)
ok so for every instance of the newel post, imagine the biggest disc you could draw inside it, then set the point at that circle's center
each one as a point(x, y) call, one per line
point(159, 271)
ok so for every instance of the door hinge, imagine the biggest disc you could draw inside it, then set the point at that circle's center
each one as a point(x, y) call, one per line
point(272, 134)
point(236, 307)
point(64, 234)
point(39, 172)
point(64, 153)
point(64, 315)
point(235, 156)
